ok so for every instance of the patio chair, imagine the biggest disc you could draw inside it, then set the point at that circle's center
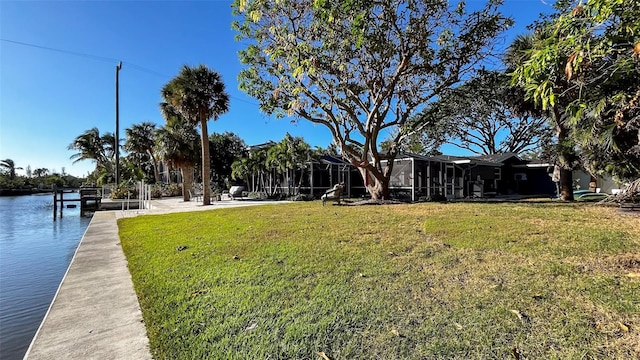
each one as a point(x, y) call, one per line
point(195, 194)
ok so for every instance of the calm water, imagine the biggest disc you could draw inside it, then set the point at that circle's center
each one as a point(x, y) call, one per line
point(35, 252)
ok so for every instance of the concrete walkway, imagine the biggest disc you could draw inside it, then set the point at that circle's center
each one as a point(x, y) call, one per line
point(95, 313)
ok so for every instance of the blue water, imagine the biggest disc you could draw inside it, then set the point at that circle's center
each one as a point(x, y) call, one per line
point(35, 252)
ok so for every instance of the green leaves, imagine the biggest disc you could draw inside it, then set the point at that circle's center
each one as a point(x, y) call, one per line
point(356, 66)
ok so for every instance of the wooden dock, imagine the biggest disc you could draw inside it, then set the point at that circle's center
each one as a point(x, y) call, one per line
point(89, 199)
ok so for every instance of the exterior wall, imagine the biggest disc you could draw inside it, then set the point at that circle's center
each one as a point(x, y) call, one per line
point(582, 179)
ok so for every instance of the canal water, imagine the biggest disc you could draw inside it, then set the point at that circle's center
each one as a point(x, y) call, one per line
point(35, 252)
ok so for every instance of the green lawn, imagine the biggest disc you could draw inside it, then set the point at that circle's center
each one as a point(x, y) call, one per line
point(499, 281)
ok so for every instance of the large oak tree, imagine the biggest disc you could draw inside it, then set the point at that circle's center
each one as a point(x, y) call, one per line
point(360, 68)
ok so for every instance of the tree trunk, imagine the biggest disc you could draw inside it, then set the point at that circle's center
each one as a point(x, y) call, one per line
point(156, 173)
point(187, 182)
point(206, 161)
point(566, 184)
point(378, 187)
point(565, 159)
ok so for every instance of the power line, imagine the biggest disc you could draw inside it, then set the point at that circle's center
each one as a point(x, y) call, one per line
point(106, 59)
point(94, 57)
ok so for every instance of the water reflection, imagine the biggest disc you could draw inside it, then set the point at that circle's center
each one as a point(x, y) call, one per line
point(35, 252)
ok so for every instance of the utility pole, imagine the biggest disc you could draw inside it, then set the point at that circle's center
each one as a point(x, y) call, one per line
point(117, 147)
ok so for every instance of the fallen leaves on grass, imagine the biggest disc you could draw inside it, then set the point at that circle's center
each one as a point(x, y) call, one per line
point(623, 327)
point(323, 355)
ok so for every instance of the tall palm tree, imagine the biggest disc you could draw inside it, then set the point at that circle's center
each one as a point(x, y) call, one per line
point(199, 95)
point(178, 144)
point(95, 147)
point(141, 139)
point(10, 167)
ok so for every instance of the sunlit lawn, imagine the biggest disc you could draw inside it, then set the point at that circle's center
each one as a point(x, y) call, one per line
point(535, 281)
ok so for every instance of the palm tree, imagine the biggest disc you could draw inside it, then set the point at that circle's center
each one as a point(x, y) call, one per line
point(10, 167)
point(287, 156)
point(241, 169)
point(141, 139)
point(198, 94)
point(177, 143)
point(258, 166)
point(95, 147)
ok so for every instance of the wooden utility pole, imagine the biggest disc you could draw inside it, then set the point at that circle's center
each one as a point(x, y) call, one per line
point(117, 145)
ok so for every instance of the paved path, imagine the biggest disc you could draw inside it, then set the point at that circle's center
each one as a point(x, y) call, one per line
point(95, 313)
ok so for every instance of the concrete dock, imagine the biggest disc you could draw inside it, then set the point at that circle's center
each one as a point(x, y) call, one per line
point(95, 313)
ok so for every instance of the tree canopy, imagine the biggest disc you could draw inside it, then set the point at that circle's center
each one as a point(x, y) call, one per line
point(227, 148)
point(593, 49)
point(484, 116)
point(360, 68)
point(141, 144)
point(199, 95)
point(100, 149)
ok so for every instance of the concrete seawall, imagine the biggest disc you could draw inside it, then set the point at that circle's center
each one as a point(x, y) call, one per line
point(95, 313)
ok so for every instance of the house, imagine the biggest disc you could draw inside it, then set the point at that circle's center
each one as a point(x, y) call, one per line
point(455, 177)
point(416, 177)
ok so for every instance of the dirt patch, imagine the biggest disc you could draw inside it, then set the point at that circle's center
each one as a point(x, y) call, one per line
point(624, 264)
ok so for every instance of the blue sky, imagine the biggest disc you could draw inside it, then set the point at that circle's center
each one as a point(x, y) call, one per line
point(47, 98)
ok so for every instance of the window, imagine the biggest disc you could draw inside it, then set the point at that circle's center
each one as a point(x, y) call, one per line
point(497, 173)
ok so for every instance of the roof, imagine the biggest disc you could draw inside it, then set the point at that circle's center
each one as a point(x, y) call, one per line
point(497, 158)
point(330, 159)
point(262, 146)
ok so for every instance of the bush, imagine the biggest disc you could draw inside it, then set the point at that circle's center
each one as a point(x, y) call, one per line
point(171, 190)
point(123, 191)
point(156, 191)
point(256, 195)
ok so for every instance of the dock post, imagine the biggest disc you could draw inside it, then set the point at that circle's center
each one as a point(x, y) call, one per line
point(83, 203)
point(55, 203)
point(61, 202)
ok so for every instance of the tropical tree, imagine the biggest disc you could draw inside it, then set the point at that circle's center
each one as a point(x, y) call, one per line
point(100, 149)
point(519, 56)
point(40, 172)
point(178, 144)
point(360, 68)
point(226, 148)
point(594, 47)
point(141, 139)
point(198, 94)
point(9, 167)
point(241, 169)
point(288, 155)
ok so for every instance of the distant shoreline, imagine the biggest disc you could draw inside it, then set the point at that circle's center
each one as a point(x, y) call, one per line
point(20, 192)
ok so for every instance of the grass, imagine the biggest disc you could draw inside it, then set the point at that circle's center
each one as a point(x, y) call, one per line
point(528, 280)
